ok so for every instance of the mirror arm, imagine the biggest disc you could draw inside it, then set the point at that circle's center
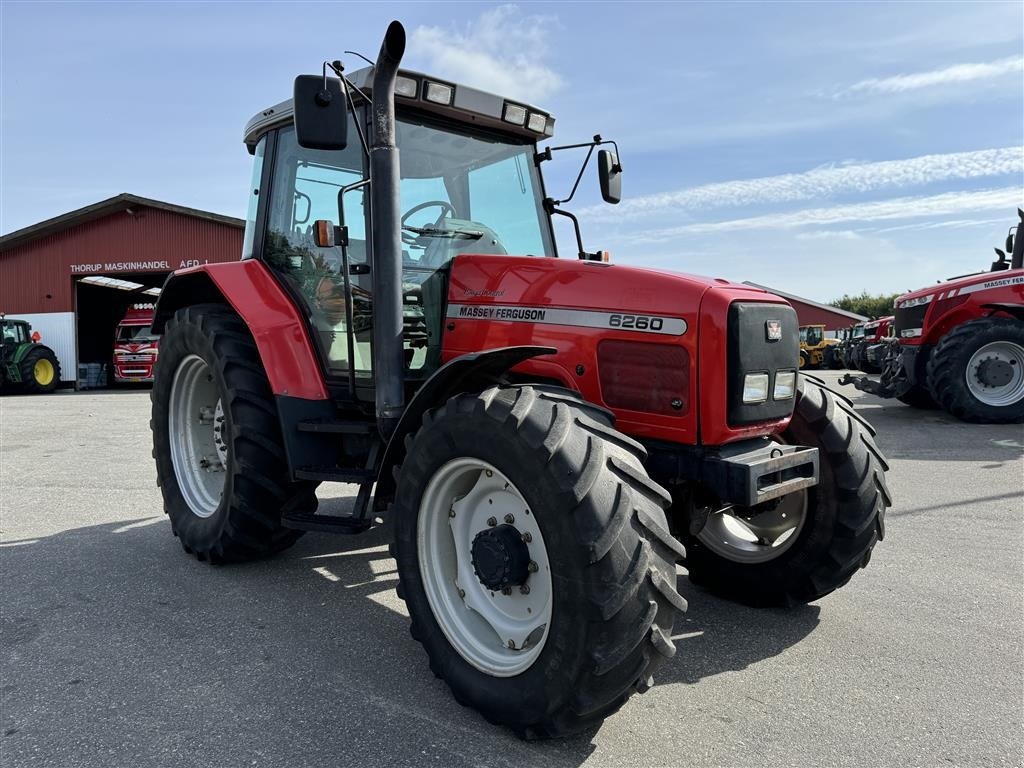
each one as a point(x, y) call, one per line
point(597, 141)
point(551, 207)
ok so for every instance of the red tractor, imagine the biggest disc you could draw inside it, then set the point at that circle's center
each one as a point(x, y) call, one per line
point(869, 352)
point(542, 434)
point(960, 344)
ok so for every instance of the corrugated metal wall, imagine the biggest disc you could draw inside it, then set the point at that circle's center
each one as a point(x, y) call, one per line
point(57, 330)
point(37, 277)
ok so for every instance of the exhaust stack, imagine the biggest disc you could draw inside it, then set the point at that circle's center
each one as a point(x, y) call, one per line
point(388, 355)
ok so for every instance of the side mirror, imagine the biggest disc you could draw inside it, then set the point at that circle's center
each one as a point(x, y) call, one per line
point(609, 172)
point(321, 113)
point(1009, 241)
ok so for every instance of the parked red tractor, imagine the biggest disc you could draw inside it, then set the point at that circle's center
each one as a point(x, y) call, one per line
point(960, 344)
point(542, 432)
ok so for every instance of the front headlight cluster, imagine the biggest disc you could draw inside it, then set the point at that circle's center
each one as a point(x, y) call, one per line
point(756, 386)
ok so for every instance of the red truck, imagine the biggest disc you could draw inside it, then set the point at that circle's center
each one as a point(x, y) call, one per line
point(135, 345)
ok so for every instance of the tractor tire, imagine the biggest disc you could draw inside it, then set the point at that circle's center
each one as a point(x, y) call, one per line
point(211, 396)
point(918, 397)
point(40, 371)
point(805, 359)
point(843, 516)
point(832, 361)
point(605, 575)
point(976, 371)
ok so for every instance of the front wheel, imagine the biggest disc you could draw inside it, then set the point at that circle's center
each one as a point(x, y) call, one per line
point(976, 371)
point(534, 557)
point(217, 442)
point(805, 545)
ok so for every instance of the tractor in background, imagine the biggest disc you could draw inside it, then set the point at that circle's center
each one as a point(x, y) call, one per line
point(26, 365)
point(545, 437)
point(816, 351)
point(960, 344)
point(873, 348)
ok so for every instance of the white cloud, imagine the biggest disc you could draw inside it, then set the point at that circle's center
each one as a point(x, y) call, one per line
point(503, 51)
point(828, 181)
point(958, 73)
point(949, 203)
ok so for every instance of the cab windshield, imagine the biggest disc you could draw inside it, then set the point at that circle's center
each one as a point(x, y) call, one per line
point(462, 190)
point(135, 334)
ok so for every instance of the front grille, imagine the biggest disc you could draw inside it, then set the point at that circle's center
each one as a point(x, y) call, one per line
point(751, 352)
point(909, 318)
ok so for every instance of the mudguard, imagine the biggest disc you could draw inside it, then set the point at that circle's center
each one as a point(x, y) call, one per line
point(472, 372)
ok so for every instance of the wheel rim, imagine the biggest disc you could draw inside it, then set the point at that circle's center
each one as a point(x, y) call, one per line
point(199, 451)
point(752, 535)
point(43, 372)
point(499, 633)
point(995, 373)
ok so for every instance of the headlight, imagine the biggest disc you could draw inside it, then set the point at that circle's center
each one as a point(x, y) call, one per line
point(755, 388)
point(537, 122)
point(785, 385)
point(406, 86)
point(515, 114)
point(439, 93)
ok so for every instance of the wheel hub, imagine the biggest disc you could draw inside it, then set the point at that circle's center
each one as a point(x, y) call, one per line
point(501, 559)
point(994, 372)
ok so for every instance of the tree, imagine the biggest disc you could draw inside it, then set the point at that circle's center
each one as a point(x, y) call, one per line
point(875, 306)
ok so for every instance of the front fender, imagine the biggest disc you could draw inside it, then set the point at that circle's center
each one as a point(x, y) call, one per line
point(472, 372)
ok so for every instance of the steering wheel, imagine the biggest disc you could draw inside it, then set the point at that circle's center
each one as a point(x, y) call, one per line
point(409, 238)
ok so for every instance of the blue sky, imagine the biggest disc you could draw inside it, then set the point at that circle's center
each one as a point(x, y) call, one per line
point(822, 148)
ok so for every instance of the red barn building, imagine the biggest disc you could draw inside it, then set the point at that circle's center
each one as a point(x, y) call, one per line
point(74, 276)
point(812, 313)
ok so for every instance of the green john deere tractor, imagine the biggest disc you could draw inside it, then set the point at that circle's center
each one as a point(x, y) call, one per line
point(25, 364)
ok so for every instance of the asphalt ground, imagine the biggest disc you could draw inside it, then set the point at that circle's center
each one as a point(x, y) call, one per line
point(117, 649)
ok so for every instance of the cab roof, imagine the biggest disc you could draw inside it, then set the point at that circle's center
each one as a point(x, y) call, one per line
point(469, 105)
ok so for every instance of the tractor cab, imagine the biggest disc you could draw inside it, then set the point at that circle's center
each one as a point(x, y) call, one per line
point(469, 182)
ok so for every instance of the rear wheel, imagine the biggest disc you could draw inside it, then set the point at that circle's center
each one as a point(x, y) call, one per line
point(976, 371)
point(40, 371)
point(534, 556)
point(216, 439)
point(807, 544)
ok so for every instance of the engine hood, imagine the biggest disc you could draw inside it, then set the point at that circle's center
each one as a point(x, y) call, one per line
point(981, 281)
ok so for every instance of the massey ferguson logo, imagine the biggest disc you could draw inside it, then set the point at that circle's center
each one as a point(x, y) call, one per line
point(773, 330)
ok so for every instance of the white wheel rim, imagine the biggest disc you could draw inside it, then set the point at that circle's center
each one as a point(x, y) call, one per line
point(500, 634)
point(755, 538)
point(1003, 353)
point(199, 452)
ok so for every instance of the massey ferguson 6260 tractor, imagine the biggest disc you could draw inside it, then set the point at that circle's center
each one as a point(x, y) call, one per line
point(960, 344)
point(542, 434)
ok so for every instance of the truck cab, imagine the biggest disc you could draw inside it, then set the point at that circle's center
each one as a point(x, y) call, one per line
point(136, 346)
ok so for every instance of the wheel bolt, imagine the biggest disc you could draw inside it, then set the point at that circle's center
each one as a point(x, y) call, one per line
point(451, 512)
point(512, 645)
point(488, 473)
point(532, 567)
point(462, 593)
point(524, 590)
point(509, 518)
point(506, 591)
point(527, 537)
point(492, 521)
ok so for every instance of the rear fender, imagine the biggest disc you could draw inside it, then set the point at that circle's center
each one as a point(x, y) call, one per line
point(472, 372)
point(276, 324)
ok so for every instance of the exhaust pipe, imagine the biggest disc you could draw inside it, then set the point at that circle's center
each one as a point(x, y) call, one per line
point(1017, 255)
point(388, 355)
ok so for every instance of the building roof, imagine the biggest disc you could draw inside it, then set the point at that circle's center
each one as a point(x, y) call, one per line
point(122, 202)
point(827, 307)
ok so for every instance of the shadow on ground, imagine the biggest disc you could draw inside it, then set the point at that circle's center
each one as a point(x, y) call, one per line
point(119, 649)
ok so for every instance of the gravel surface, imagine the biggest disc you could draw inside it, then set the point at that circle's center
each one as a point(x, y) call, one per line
point(116, 649)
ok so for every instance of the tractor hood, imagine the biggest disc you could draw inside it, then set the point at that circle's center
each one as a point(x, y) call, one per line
point(959, 286)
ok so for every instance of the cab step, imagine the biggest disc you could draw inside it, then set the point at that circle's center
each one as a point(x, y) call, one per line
point(336, 475)
point(337, 427)
point(326, 523)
